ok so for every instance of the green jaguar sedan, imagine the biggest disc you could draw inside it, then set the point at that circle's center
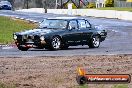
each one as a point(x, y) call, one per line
point(60, 33)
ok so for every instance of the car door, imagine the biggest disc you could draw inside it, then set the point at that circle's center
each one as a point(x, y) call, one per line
point(72, 35)
point(85, 28)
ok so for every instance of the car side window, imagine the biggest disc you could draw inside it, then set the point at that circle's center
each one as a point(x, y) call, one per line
point(88, 24)
point(72, 24)
point(82, 24)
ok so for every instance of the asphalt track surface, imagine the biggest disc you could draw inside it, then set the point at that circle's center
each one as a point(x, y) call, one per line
point(119, 40)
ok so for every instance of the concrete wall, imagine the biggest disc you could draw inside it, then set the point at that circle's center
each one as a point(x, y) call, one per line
point(125, 15)
point(37, 10)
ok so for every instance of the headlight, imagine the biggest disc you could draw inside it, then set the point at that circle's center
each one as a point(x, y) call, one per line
point(14, 36)
point(42, 38)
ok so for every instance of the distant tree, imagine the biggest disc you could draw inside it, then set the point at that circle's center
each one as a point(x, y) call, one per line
point(45, 5)
point(91, 5)
point(51, 3)
point(73, 6)
point(39, 3)
point(109, 3)
point(26, 3)
point(12, 3)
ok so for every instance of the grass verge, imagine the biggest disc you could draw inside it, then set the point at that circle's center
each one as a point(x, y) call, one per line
point(120, 86)
point(2, 85)
point(9, 25)
point(84, 86)
point(114, 8)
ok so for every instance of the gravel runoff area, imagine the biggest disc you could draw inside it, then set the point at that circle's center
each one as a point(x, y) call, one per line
point(60, 72)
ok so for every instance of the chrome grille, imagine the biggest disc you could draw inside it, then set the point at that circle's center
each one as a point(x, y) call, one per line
point(36, 37)
point(19, 37)
point(25, 36)
point(28, 37)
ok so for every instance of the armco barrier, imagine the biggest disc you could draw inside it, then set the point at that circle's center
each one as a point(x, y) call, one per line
point(125, 15)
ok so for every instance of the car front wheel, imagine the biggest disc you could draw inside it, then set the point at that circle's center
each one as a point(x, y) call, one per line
point(56, 43)
point(22, 48)
point(94, 42)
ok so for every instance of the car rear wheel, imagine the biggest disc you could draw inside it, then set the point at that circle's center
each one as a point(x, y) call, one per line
point(56, 43)
point(94, 42)
point(22, 48)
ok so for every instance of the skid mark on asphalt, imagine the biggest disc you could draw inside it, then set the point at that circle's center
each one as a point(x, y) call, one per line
point(10, 47)
point(6, 47)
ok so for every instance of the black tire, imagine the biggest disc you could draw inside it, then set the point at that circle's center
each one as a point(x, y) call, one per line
point(81, 80)
point(94, 42)
point(22, 48)
point(55, 43)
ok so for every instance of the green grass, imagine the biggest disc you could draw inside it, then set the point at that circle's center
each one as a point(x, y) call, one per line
point(114, 8)
point(113, 86)
point(8, 26)
point(84, 86)
point(120, 86)
point(2, 85)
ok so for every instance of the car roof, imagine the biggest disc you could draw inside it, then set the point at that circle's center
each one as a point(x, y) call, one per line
point(66, 18)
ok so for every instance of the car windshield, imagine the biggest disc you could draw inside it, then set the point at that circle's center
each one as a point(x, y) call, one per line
point(53, 24)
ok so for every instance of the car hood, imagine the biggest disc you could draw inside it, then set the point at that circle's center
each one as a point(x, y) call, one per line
point(36, 31)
